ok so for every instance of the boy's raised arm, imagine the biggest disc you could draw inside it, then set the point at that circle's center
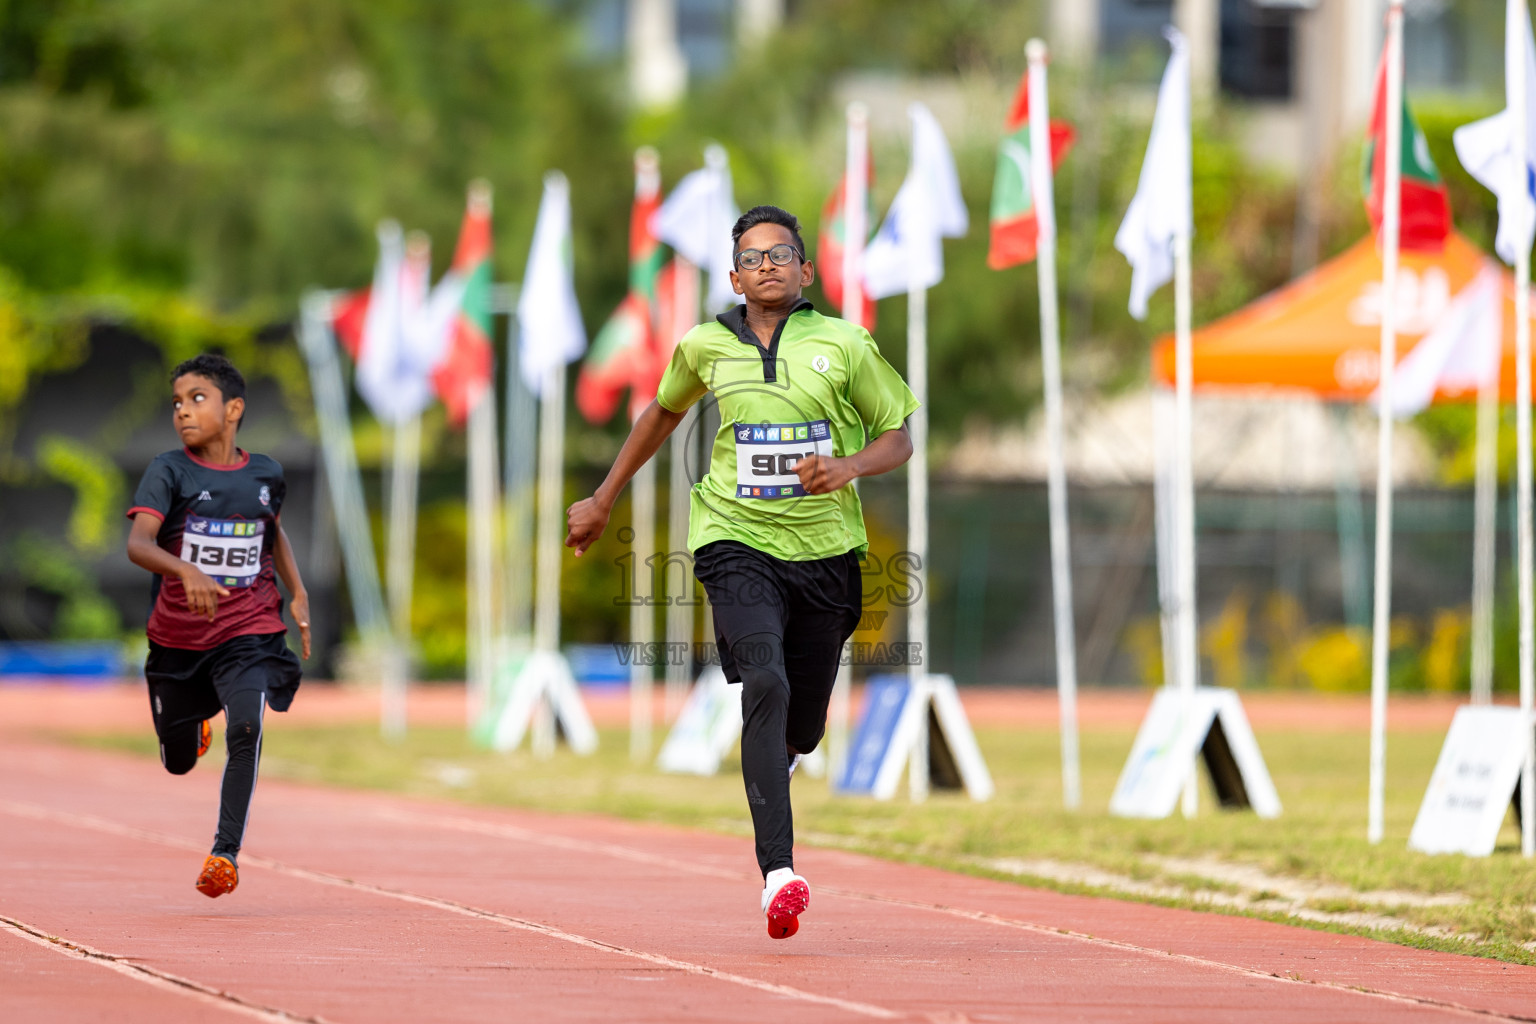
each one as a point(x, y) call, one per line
point(288, 570)
point(587, 518)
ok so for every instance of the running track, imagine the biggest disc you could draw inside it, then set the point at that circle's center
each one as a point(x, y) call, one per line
point(359, 907)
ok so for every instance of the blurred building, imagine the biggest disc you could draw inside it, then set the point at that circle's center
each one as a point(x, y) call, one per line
point(665, 42)
point(1304, 68)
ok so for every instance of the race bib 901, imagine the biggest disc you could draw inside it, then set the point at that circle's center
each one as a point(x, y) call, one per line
point(228, 550)
point(767, 453)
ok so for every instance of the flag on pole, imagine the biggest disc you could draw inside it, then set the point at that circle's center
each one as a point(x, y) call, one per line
point(1486, 148)
point(696, 220)
point(1425, 208)
point(677, 311)
point(348, 314)
point(830, 244)
point(1459, 354)
point(624, 352)
point(907, 251)
point(393, 355)
point(394, 368)
point(457, 320)
point(1163, 206)
point(552, 333)
point(1015, 220)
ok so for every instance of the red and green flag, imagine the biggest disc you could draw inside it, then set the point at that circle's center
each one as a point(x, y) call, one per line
point(348, 314)
point(624, 356)
point(1426, 213)
point(1015, 219)
point(462, 373)
point(830, 243)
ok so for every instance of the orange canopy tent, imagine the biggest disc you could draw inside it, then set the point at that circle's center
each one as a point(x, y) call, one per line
point(1322, 332)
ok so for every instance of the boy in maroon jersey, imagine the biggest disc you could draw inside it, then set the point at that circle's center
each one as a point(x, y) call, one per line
point(206, 523)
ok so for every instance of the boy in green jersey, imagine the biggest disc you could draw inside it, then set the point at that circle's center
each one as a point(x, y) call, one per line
point(807, 404)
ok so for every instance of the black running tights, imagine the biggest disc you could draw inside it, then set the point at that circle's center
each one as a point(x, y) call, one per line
point(773, 715)
point(242, 741)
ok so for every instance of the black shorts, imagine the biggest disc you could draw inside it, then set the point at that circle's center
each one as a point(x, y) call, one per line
point(813, 605)
point(187, 684)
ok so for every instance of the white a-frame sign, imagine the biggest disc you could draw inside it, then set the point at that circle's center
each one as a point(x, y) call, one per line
point(1475, 779)
point(706, 729)
point(896, 718)
point(1163, 756)
point(537, 691)
point(709, 726)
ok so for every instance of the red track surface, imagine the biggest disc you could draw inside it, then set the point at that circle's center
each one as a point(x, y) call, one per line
point(360, 907)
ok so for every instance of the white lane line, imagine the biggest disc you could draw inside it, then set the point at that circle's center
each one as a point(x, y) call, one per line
point(151, 977)
point(1163, 954)
point(520, 924)
point(627, 853)
point(549, 931)
point(558, 842)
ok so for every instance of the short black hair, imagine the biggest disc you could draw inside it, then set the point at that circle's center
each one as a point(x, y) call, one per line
point(766, 215)
point(217, 369)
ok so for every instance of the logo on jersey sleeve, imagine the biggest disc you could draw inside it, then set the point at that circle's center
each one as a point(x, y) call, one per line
point(821, 364)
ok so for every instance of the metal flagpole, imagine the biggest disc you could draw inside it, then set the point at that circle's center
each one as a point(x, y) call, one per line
point(1043, 190)
point(1186, 618)
point(517, 477)
point(404, 486)
point(546, 616)
point(642, 611)
point(642, 496)
point(680, 605)
point(482, 554)
point(1516, 72)
point(1382, 612)
point(341, 471)
point(405, 466)
point(679, 599)
point(855, 230)
point(917, 529)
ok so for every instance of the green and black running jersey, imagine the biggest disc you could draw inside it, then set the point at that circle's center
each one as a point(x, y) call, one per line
point(821, 387)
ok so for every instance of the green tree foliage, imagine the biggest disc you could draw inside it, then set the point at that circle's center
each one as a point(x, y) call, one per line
point(244, 151)
point(190, 167)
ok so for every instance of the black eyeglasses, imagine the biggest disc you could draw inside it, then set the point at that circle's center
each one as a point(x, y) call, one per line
point(779, 255)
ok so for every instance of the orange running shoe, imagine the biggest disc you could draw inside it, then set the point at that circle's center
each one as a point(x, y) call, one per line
point(205, 737)
point(219, 876)
point(785, 897)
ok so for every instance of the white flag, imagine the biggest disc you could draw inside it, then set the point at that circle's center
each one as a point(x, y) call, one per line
point(1486, 148)
point(1460, 353)
point(549, 319)
point(1163, 206)
point(908, 250)
point(696, 220)
point(393, 373)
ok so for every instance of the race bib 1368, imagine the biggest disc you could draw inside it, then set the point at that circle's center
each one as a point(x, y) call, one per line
point(228, 550)
point(767, 453)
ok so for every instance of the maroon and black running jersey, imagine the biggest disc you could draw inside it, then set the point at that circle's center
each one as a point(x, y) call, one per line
point(222, 519)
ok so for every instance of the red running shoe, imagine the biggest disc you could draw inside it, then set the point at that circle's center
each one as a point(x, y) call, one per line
point(219, 876)
point(785, 897)
point(205, 737)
